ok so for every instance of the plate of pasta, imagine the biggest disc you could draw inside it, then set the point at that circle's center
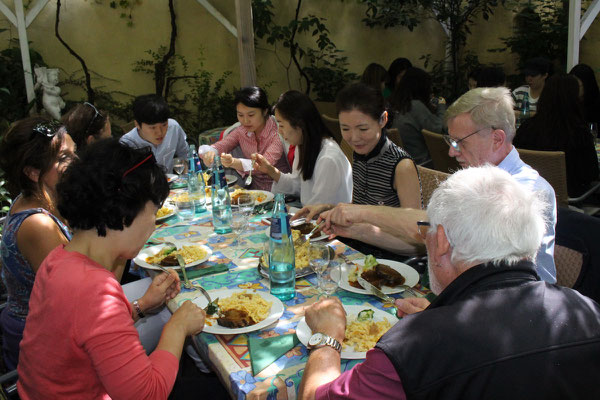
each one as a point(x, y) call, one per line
point(364, 326)
point(260, 310)
point(165, 212)
point(192, 253)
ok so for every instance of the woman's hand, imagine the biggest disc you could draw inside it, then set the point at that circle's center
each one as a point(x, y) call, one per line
point(163, 288)
point(189, 317)
point(263, 165)
point(227, 160)
point(312, 211)
point(208, 158)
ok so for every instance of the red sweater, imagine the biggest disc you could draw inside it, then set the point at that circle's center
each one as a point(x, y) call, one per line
point(79, 340)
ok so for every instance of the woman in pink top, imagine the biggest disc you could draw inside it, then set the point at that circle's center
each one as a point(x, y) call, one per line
point(256, 134)
point(80, 341)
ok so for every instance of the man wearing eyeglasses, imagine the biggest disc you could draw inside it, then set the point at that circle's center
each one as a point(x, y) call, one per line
point(481, 127)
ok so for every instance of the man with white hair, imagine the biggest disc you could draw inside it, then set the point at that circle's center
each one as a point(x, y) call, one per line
point(481, 127)
point(494, 332)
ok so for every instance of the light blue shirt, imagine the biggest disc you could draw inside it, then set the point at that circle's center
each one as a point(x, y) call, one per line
point(173, 145)
point(529, 177)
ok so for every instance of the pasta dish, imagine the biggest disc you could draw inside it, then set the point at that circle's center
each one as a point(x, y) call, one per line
point(362, 335)
point(189, 254)
point(242, 309)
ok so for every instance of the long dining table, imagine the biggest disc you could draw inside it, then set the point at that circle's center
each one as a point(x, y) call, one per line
point(228, 355)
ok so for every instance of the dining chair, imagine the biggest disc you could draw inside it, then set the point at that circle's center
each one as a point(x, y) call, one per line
point(334, 126)
point(395, 137)
point(347, 150)
point(438, 150)
point(430, 180)
point(551, 166)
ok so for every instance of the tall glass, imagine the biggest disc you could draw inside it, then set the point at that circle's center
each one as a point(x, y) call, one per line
point(319, 256)
point(185, 207)
point(330, 278)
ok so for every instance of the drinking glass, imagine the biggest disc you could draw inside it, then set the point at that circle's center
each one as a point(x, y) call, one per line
point(319, 256)
point(178, 165)
point(245, 204)
point(185, 207)
point(330, 278)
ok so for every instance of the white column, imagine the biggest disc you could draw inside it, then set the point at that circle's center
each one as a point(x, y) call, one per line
point(24, 44)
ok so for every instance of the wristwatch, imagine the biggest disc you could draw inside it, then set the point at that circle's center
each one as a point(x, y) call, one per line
point(318, 340)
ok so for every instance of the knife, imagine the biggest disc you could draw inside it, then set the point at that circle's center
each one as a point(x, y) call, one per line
point(373, 290)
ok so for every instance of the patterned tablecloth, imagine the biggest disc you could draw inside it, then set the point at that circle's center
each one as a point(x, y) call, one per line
point(229, 354)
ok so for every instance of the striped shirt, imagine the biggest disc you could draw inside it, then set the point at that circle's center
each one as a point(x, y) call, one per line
point(269, 145)
point(373, 174)
point(519, 96)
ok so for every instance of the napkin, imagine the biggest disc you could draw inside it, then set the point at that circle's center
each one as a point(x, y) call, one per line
point(193, 273)
point(263, 352)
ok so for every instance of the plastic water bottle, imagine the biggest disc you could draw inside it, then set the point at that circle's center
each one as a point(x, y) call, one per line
point(524, 110)
point(282, 259)
point(221, 202)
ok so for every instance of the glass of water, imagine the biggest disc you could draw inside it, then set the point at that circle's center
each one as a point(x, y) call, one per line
point(330, 278)
point(185, 206)
point(178, 165)
point(319, 256)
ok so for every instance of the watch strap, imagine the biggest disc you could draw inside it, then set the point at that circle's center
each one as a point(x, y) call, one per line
point(328, 341)
point(138, 309)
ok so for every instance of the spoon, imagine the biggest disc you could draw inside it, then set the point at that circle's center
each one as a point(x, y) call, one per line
point(249, 178)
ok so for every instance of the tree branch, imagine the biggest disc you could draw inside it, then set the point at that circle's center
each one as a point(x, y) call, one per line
point(160, 68)
point(293, 47)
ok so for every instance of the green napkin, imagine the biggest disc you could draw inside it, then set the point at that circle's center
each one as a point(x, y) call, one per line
point(194, 272)
point(263, 352)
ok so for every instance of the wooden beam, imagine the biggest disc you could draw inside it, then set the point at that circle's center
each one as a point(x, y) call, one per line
point(243, 11)
point(220, 17)
point(8, 13)
point(589, 16)
point(22, 29)
point(574, 28)
point(34, 11)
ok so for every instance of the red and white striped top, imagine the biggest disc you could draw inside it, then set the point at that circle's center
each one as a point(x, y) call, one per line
point(269, 145)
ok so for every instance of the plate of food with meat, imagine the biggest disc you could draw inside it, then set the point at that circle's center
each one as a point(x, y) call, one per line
point(386, 275)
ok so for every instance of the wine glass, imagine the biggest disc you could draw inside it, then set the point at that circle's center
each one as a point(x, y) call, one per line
point(330, 278)
point(178, 165)
point(319, 256)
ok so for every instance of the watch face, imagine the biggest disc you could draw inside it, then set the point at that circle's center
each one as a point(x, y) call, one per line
point(315, 339)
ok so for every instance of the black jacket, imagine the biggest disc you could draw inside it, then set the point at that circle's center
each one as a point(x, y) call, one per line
point(497, 332)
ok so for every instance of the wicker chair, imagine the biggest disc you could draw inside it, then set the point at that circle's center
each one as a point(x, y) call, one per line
point(334, 126)
point(430, 180)
point(395, 137)
point(551, 166)
point(438, 150)
point(347, 150)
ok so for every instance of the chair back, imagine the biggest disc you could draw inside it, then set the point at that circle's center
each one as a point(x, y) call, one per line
point(551, 166)
point(394, 136)
point(326, 107)
point(568, 264)
point(347, 149)
point(438, 150)
point(430, 180)
point(333, 124)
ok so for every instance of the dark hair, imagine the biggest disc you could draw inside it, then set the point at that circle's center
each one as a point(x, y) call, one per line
point(93, 193)
point(396, 67)
point(361, 97)
point(559, 117)
point(474, 73)
point(150, 109)
point(590, 88)
point(374, 75)
point(537, 66)
point(416, 85)
point(84, 120)
point(299, 110)
point(491, 77)
point(252, 96)
point(23, 147)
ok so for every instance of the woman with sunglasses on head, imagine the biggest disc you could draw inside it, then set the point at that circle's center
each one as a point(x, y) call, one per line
point(321, 172)
point(110, 197)
point(34, 153)
point(86, 124)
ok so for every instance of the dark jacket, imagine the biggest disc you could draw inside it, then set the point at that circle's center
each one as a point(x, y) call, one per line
point(497, 332)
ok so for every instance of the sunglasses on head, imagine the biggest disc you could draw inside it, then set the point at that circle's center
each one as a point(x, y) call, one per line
point(47, 129)
point(96, 115)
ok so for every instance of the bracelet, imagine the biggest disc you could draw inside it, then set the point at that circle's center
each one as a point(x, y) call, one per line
point(138, 309)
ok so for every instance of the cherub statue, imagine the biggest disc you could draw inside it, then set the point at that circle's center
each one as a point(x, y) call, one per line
point(47, 79)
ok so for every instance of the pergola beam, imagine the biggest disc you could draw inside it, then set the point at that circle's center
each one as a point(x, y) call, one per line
point(589, 16)
point(578, 27)
point(220, 17)
point(243, 11)
point(34, 11)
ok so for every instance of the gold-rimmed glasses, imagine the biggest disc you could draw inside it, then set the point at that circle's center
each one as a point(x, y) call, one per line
point(450, 141)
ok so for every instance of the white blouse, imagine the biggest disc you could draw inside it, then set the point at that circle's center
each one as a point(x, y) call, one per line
point(331, 182)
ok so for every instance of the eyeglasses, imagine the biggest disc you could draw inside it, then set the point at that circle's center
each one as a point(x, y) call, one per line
point(454, 143)
point(47, 129)
point(423, 228)
point(97, 113)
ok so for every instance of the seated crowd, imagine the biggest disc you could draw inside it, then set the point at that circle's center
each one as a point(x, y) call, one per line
point(86, 203)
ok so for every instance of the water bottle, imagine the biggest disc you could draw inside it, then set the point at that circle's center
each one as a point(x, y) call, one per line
point(191, 159)
point(524, 110)
point(221, 202)
point(282, 259)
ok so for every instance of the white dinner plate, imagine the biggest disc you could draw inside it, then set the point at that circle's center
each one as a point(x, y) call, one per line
point(140, 259)
point(295, 223)
point(231, 179)
point(408, 272)
point(172, 211)
point(276, 312)
point(171, 177)
point(268, 196)
point(304, 332)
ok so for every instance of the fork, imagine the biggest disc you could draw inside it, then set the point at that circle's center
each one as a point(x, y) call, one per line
point(304, 238)
point(249, 178)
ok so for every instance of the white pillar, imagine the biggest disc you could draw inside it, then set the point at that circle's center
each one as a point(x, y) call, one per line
point(24, 44)
point(574, 29)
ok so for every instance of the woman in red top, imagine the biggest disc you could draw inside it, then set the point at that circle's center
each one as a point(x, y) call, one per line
point(256, 134)
point(80, 341)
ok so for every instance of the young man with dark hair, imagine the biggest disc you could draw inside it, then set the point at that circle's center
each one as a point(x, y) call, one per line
point(154, 128)
point(536, 70)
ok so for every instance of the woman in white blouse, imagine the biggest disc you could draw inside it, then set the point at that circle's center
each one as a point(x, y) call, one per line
point(321, 173)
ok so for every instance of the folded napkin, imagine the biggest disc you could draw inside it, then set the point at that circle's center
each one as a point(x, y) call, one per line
point(195, 272)
point(264, 352)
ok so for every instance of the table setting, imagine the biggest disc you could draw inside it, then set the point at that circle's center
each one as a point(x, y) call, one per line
point(266, 358)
